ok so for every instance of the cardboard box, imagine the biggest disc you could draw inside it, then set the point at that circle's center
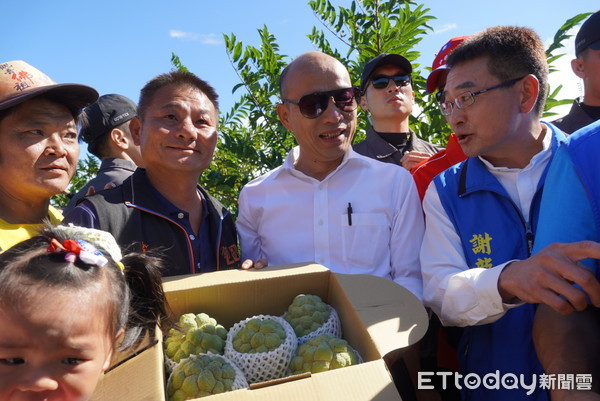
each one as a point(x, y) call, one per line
point(377, 316)
point(139, 377)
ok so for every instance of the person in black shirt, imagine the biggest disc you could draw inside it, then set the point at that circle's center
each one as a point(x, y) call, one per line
point(586, 66)
point(388, 97)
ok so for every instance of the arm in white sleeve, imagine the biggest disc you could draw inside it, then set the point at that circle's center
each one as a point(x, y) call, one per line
point(247, 228)
point(405, 243)
point(458, 295)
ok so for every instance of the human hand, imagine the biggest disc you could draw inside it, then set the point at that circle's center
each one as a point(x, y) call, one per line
point(548, 277)
point(250, 264)
point(411, 159)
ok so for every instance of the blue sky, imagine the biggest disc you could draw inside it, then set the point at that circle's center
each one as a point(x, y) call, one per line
point(116, 46)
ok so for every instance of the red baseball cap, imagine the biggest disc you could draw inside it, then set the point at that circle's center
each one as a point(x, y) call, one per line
point(439, 68)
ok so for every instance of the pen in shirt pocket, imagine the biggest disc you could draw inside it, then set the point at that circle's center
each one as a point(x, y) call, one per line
point(349, 213)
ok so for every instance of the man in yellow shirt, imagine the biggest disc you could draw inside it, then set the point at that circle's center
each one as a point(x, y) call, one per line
point(38, 146)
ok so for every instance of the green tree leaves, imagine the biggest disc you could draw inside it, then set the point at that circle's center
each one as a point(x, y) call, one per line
point(252, 139)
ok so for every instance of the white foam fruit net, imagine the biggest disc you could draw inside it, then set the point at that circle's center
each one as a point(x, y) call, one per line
point(332, 326)
point(263, 366)
point(238, 383)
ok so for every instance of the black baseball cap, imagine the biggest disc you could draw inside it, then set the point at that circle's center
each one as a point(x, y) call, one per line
point(589, 34)
point(384, 59)
point(101, 117)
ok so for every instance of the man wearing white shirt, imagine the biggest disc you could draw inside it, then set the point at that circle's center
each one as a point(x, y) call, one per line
point(326, 203)
point(482, 213)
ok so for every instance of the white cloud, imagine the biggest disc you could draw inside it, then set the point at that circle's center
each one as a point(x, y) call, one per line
point(175, 33)
point(211, 39)
point(204, 38)
point(444, 28)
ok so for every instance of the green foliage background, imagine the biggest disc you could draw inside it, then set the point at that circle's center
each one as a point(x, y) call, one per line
point(253, 141)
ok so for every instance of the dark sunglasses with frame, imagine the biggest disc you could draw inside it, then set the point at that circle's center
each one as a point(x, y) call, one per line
point(382, 81)
point(314, 104)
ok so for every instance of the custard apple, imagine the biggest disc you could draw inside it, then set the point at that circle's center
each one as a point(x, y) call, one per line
point(259, 336)
point(195, 334)
point(306, 314)
point(202, 375)
point(323, 353)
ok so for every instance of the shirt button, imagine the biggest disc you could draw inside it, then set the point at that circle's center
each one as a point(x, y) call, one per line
point(192, 237)
point(180, 215)
point(321, 222)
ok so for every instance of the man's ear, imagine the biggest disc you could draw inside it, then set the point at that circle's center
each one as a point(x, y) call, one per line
point(530, 90)
point(284, 115)
point(119, 138)
point(135, 127)
point(578, 67)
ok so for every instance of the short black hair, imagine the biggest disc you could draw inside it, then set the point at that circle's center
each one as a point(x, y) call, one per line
point(129, 289)
point(511, 52)
point(176, 78)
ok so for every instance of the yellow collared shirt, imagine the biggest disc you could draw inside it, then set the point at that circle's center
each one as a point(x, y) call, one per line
point(11, 234)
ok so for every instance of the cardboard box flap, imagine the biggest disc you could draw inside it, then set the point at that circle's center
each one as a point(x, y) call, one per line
point(177, 283)
point(357, 383)
point(140, 378)
point(393, 316)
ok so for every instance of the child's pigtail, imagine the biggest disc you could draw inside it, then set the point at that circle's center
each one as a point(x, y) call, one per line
point(138, 298)
point(147, 300)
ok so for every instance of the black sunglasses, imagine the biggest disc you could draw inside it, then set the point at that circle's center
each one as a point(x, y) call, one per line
point(382, 81)
point(314, 104)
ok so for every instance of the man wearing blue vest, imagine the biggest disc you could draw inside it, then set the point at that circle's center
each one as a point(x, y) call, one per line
point(571, 343)
point(482, 214)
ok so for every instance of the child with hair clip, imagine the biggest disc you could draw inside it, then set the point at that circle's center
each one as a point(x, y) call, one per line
point(67, 298)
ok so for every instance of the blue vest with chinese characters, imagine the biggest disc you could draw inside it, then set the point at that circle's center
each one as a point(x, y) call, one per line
point(493, 231)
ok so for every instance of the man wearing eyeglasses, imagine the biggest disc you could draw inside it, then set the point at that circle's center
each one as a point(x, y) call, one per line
point(481, 214)
point(327, 203)
point(388, 97)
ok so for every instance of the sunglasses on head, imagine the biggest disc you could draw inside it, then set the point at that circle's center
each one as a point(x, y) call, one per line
point(382, 81)
point(314, 104)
